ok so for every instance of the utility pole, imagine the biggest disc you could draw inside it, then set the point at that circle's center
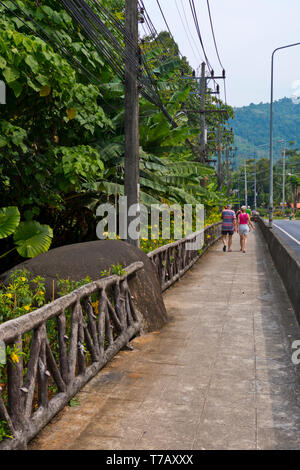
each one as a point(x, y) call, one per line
point(202, 109)
point(283, 181)
point(255, 202)
point(246, 188)
point(227, 169)
point(131, 168)
point(219, 157)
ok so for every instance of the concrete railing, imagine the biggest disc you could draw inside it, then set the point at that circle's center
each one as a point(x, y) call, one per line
point(173, 260)
point(286, 264)
point(99, 316)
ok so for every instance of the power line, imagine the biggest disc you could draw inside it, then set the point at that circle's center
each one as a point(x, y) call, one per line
point(89, 22)
point(162, 13)
point(195, 18)
point(60, 49)
point(185, 29)
point(212, 30)
point(166, 23)
point(185, 17)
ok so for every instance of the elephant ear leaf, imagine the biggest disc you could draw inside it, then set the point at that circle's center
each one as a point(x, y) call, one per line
point(9, 220)
point(32, 238)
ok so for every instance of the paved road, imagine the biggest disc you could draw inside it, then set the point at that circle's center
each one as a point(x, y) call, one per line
point(219, 375)
point(289, 231)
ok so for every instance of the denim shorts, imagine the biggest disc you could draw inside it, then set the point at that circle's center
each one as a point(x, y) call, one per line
point(243, 229)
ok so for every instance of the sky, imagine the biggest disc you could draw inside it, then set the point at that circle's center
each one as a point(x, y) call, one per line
point(246, 32)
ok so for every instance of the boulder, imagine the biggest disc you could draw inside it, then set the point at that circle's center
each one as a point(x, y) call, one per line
point(89, 259)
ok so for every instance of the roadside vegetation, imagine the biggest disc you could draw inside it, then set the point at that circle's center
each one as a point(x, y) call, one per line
point(62, 137)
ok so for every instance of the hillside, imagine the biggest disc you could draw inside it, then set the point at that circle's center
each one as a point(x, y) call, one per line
point(251, 127)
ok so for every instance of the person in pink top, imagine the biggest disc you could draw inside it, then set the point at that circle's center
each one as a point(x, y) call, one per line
point(243, 227)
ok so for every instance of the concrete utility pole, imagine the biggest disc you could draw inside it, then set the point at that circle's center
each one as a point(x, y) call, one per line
point(202, 109)
point(227, 169)
point(228, 150)
point(219, 157)
point(255, 202)
point(283, 181)
point(246, 188)
point(131, 169)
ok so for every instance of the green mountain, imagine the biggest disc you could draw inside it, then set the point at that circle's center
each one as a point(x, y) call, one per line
point(251, 126)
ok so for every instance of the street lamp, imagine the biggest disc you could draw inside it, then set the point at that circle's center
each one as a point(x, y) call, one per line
point(271, 132)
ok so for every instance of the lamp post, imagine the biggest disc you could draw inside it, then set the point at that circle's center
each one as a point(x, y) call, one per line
point(271, 133)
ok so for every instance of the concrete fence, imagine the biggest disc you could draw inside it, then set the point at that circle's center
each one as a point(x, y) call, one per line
point(72, 338)
point(286, 264)
point(173, 260)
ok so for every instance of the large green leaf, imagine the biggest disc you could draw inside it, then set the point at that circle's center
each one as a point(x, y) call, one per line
point(32, 238)
point(188, 168)
point(113, 188)
point(11, 74)
point(9, 220)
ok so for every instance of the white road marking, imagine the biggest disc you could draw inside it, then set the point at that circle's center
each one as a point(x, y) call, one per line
point(294, 239)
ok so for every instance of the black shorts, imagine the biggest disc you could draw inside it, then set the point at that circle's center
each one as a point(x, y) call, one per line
point(227, 232)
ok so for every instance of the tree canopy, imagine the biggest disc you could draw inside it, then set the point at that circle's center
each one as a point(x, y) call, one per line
point(62, 129)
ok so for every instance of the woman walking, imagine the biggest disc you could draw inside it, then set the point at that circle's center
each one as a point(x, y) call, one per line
point(243, 224)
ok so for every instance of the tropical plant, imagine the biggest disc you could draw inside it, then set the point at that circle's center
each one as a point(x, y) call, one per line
point(62, 133)
point(30, 237)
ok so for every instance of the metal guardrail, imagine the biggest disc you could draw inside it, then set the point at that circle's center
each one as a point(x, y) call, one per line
point(173, 260)
point(63, 365)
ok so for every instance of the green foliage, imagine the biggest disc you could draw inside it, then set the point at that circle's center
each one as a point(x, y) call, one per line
point(9, 220)
point(292, 181)
point(62, 140)
point(78, 164)
point(66, 286)
point(30, 237)
point(116, 269)
point(23, 294)
point(251, 126)
point(4, 431)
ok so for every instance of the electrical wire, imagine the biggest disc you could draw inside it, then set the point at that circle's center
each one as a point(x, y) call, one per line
point(150, 93)
point(213, 34)
point(185, 29)
point(54, 44)
point(185, 17)
point(195, 18)
point(92, 26)
point(166, 23)
point(216, 47)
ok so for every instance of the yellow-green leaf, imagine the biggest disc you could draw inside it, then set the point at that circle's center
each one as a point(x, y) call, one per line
point(45, 90)
point(71, 113)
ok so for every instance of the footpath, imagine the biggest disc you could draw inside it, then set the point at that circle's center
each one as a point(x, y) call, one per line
point(219, 375)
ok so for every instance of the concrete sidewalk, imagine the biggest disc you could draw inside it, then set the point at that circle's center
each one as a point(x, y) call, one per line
point(218, 376)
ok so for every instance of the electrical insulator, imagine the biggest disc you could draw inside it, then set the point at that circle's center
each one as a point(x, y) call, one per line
point(193, 74)
point(212, 73)
point(218, 89)
point(223, 73)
